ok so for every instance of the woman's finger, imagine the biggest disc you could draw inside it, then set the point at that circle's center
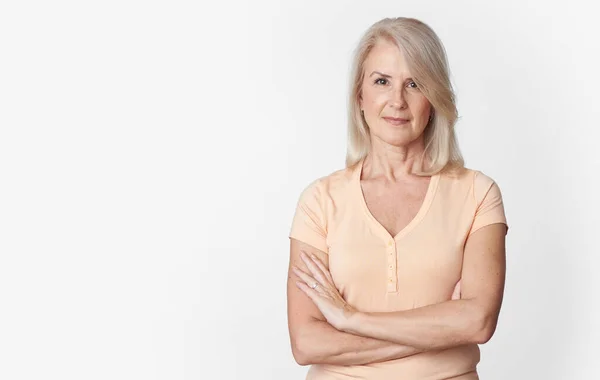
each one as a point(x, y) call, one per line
point(315, 271)
point(323, 268)
point(309, 281)
point(310, 292)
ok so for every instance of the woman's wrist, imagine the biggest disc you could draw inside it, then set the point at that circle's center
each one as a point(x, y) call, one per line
point(352, 321)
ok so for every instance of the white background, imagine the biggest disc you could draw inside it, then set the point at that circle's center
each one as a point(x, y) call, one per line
point(152, 153)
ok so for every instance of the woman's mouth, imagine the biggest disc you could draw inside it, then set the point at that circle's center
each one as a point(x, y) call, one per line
point(396, 121)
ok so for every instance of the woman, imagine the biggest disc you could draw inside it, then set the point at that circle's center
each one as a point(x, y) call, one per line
point(397, 262)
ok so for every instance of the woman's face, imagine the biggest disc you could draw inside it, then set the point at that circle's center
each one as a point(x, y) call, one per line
point(389, 92)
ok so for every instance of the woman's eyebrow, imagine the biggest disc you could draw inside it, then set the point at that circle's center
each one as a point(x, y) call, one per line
point(387, 75)
point(382, 74)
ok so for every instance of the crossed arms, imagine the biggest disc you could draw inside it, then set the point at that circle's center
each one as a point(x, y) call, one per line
point(363, 338)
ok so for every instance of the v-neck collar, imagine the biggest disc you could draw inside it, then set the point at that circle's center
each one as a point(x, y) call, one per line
point(429, 195)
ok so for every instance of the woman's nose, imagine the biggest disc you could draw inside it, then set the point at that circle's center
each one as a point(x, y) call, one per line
point(398, 98)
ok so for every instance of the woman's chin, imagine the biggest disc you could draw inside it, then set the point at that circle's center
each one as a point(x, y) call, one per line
point(398, 139)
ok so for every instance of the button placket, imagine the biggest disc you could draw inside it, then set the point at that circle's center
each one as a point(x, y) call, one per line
point(391, 263)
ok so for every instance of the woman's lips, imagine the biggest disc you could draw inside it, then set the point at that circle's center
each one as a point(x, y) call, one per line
point(395, 121)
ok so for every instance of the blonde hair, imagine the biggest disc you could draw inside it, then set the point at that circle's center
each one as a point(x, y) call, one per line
point(427, 61)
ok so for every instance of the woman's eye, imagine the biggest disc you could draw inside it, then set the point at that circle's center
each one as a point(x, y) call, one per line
point(383, 81)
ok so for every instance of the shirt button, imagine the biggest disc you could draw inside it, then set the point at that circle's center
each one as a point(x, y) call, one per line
point(390, 243)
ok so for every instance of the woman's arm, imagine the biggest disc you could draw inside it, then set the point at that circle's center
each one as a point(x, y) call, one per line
point(472, 319)
point(315, 341)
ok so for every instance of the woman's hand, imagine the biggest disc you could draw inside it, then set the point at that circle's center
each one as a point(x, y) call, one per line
point(318, 285)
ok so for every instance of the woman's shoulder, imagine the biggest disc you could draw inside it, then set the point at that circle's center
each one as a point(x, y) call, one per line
point(466, 180)
point(473, 183)
point(466, 175)
point(335, 183)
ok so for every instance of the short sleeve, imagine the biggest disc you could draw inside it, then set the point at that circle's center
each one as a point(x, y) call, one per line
point(308, 225)
point(490, 207)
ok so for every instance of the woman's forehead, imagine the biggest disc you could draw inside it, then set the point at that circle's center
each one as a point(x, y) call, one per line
point(386, 59)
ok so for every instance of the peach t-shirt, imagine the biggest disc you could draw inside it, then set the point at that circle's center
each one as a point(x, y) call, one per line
point(377, 272)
